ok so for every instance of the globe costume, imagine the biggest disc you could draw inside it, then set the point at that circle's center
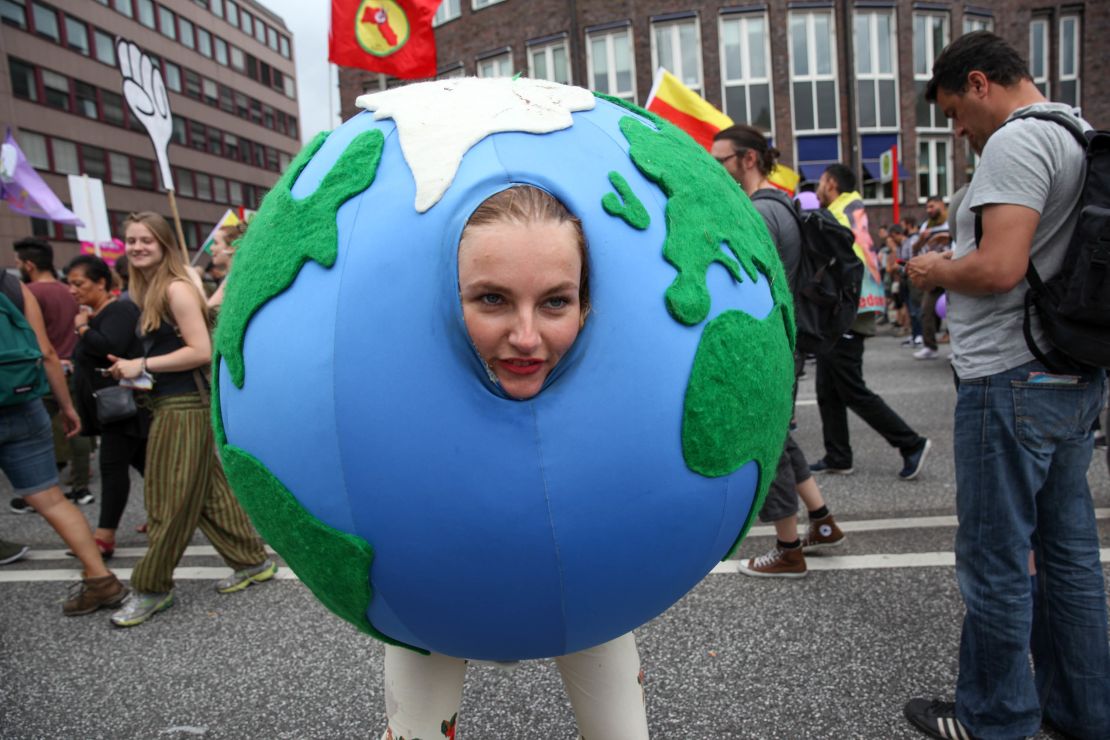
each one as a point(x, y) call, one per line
point(433, 511)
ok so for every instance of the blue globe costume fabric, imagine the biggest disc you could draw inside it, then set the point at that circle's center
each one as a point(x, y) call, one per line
point(502, 529)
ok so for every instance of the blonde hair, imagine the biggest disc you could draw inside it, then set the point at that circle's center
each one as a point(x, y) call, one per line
point(150, 291)
point(525, 204)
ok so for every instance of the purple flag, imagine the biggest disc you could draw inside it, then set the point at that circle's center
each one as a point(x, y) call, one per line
point(25, 191)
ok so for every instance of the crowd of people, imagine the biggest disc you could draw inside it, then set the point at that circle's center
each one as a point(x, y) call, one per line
point(1027, 550)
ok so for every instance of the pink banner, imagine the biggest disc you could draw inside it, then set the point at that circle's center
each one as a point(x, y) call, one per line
point(109, 251)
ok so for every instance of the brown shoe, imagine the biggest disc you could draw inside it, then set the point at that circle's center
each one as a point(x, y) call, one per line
point(778, 563)
point(89, 594)
point(822, 533)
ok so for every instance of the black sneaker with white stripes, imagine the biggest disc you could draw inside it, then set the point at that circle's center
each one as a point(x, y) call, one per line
point(936, 719)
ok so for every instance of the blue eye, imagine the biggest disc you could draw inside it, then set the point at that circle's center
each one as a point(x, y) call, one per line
point(557, 302)
point(491, 299)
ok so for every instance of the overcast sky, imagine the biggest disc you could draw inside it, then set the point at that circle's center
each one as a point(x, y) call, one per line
point(308, 20)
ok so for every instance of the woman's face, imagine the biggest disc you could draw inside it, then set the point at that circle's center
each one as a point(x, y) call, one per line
point(519, 285)
point(144, 251)
point(222, 252)
point(85, 291)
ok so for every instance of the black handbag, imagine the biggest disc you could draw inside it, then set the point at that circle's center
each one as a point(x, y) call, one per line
point(115, 403)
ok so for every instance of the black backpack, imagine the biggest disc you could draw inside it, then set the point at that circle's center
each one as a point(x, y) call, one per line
point(1074, 304)
point(830, 277)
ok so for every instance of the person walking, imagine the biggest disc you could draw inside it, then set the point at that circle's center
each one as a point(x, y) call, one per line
point(27, 448)
point(184, 484)
point(840, 384)
point(743, 151)
point(35, 258)
point(1023, 438)
point(105, 326)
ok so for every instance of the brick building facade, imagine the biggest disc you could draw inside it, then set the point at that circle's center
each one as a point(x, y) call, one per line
point(229, 73)
point(783, 65)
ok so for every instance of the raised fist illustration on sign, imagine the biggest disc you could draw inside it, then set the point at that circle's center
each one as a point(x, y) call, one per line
point(145, 93)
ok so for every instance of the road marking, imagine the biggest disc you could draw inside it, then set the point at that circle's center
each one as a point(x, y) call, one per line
point(817, 562)
point(187, 573)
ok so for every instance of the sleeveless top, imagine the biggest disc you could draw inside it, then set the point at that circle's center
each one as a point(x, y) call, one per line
point(164, 340)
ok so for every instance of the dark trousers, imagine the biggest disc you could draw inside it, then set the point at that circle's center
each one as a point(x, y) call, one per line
point(929, 318)
point(118, 453)
point(840, 387)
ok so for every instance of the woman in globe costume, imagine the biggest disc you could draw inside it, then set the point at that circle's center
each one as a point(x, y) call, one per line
point(185, 485)
point(524, 287)
point(105, 326)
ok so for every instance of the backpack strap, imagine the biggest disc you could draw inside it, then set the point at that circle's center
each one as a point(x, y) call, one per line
point(1071, 123)
point(13, 290)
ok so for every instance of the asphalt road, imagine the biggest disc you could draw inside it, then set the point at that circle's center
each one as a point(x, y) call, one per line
point(834, 655)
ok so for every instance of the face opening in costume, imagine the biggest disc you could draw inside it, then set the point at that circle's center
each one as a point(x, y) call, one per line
point(522, 287)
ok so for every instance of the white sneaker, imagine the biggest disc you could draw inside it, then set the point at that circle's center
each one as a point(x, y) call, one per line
point(926, 354)
point(918, 341)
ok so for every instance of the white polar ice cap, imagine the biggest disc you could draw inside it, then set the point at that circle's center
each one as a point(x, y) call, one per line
point(438, 122)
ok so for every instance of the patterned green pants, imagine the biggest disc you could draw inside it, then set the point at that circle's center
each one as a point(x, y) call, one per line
point(184, 487)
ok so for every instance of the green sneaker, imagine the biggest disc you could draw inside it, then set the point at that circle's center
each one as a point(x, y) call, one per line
point(240, 579)
point(140, 607)
point(11, 552)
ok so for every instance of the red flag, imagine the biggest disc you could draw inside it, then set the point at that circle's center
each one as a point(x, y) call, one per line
point(390, 36)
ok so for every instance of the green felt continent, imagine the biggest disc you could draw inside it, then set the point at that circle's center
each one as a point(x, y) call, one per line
point(628, 206)
point(334, 565)
point(733, 411)
point(286, 233)
point(706, 210)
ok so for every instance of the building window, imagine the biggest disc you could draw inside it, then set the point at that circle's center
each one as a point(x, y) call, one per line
point(120, 167)
point(448, 11)
point(549, 62)
point(123, 7)
point(934, 173)
point(204, 43)
point(232, 14)
point(479, 4)
point(676, 47)
point(235, 193)
point(497, 66)
point(14, 13)
point(1069, 60)
point(815, 154)
point(246, 23)
point(144, 173)
point(111, 108)
point(218, 8)
point(34, 149)
point(219, 189)
point(221, 50)
point(85, 95)
point(813, 71)
point(188, 34)
point(184, 181)
point(55, 89)
point(872, 146)
point(238, 60)
point(746, 70)
point(167, 23)
point(105, 47)
point(259, 31)
point(286, 50)
point(23, 80)
point(930, 36)
point(146, 12)
point(46, 22)
point(612, 68)
point(1038, 54)
point(271, 38)
point(973, 23)
point(65, 157)
point(77, 35)
point(173, 76)
point(94, 161)
point(876, 70)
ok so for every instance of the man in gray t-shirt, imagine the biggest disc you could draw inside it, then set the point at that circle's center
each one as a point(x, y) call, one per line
point(1022, 432)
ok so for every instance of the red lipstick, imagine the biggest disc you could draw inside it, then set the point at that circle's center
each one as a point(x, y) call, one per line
point(521, 366)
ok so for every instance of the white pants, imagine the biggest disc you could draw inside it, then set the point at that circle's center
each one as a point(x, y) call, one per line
point(604, 684)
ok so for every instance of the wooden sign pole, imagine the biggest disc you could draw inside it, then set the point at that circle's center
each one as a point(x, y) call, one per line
point(177, 225)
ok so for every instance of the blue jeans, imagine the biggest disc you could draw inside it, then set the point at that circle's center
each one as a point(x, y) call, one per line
point(27, 448)
point(1022, 452)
